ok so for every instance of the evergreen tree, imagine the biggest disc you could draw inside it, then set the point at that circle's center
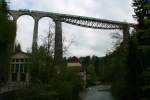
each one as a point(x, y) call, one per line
point(17, 48)
point(7, 37)
point(142, 10)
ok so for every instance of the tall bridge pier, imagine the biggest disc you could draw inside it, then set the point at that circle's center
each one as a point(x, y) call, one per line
point(58, 57)
point(35, 34)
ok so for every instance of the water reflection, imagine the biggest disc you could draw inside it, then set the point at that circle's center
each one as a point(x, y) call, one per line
point(97, 93)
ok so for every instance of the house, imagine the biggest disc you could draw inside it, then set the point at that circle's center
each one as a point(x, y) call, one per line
point(76, 67)
point(19, 68)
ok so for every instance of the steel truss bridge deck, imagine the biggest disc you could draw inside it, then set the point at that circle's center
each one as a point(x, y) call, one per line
point(83, 21)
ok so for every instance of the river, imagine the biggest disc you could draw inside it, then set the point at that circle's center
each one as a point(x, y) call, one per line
point(101, 92)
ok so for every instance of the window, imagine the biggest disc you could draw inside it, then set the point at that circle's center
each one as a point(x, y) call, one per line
point(21, 60)
point(17, 60)
point(25, 68)
point(14, 77)
point(22, 77)
point(17, 68)
point(21, 68)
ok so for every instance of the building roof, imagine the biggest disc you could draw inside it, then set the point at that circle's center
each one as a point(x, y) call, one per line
point(74, 65)
point(20, 54)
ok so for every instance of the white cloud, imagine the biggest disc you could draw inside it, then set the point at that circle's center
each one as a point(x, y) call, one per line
point(24, 31)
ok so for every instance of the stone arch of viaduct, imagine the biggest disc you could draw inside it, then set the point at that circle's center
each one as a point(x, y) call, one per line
point(88, 22)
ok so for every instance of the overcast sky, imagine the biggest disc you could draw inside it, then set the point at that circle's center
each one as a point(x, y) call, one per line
point(86, 41)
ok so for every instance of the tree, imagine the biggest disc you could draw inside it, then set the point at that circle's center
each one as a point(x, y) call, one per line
point(142, 10)
point(49, 40)
point(46, 84)
point(7, 37)
point(135, 80)
point(42, 67)
point(17, 47)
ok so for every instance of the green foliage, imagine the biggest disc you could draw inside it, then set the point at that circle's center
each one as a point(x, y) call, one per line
point(42, 67)
point(7, 37)
point(140, 11)
point(46, 83)
point(17, 47)
point(128, 68)
point(65, 86)
point(68, 85)
point(143, 36)
point(93, 67)
point(93, 77)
